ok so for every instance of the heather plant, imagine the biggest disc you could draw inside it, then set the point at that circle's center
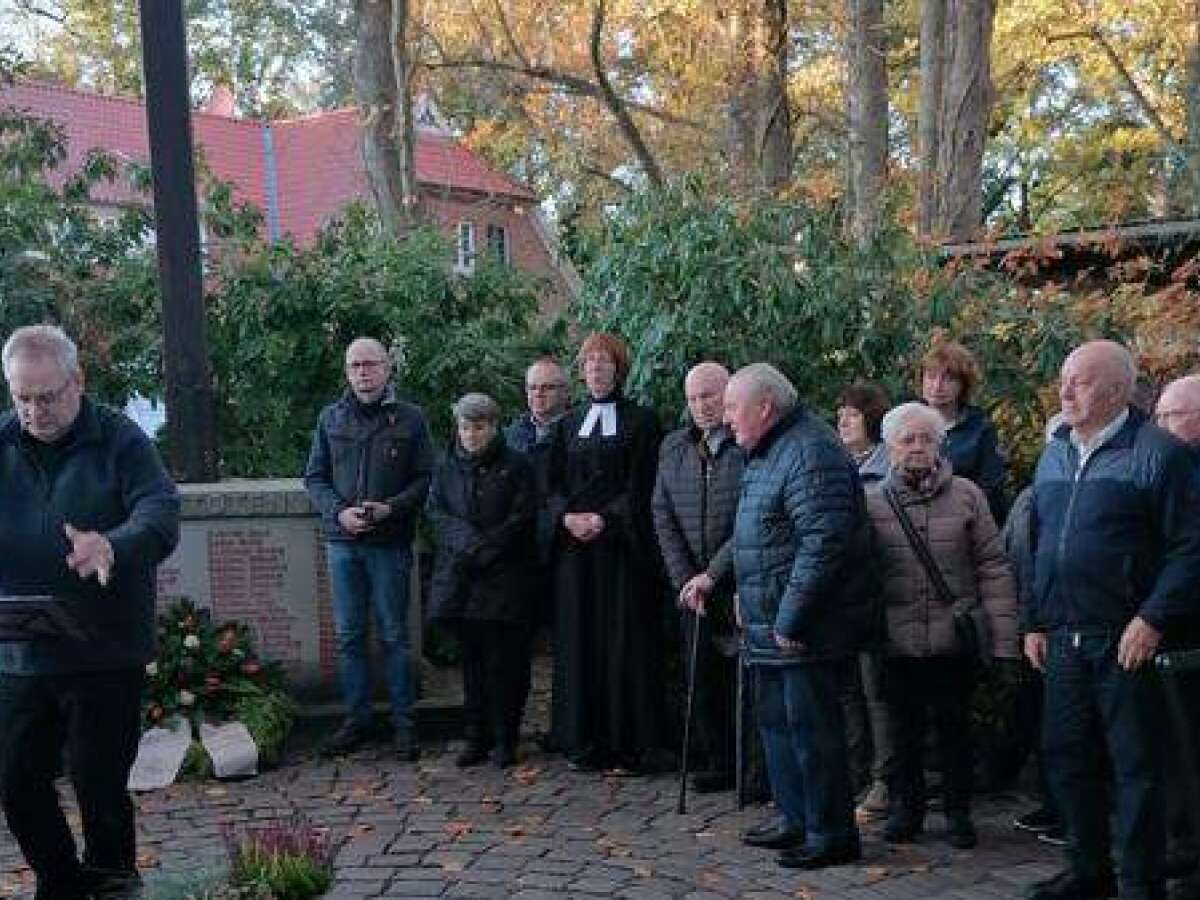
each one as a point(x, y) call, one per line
point(290, 860)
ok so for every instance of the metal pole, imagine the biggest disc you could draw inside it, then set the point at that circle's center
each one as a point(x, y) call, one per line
point(191, 428)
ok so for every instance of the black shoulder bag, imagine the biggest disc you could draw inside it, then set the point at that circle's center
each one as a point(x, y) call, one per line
point(970, 629)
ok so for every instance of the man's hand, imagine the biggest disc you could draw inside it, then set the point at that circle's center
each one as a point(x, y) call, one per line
point(91, 554)
point(355, 520)
point(784, 643)
point(1035, 649)
point(696, 592)
point(1138, 644)
point(376, 511)
point(584, 526)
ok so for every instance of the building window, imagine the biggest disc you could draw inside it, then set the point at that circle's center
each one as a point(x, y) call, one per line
point(497, 244)
point(465, 256)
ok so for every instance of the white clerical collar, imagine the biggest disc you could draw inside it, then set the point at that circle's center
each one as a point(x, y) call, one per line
point(603, 412)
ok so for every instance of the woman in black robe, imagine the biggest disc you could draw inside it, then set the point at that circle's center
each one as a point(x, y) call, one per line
point(608, 690)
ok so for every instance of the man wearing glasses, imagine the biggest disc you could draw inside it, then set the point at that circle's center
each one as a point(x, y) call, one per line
point(367, 474)
point(546, 395)
point(88, 513)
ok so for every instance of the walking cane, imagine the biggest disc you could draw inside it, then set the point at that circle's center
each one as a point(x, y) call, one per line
point(739, 725)
point(681, 807)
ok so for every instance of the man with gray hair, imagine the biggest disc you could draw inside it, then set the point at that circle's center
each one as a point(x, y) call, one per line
point(695, 497)
point(1115, 537)
point(806, 600)
point(89, 512)
point(368, 474)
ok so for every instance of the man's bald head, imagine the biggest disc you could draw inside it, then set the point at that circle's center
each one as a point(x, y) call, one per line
point(1098, 379)
point(1178, 409)
point(704, 388)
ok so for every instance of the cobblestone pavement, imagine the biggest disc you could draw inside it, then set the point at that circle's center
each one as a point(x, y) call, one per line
point(541, 831)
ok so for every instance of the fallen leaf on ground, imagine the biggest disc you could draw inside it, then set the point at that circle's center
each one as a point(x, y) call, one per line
point(455, 830)
point(147, 860)
point(363, 828)
point(216, 792)
point(875, 874)
point(643, 871)
point(514, 830)
point(526, 774)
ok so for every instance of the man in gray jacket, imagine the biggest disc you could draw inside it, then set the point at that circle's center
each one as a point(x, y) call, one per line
point(368, 474)
point(695, 498)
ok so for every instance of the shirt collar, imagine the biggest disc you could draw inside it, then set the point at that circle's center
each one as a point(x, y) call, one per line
point(1102, 437)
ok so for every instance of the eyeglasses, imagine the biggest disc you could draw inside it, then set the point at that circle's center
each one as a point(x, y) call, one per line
point(1167, 415)
point(44, 400)
point(544, 388)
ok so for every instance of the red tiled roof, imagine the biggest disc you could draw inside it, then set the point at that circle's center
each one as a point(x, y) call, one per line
point(317, 159)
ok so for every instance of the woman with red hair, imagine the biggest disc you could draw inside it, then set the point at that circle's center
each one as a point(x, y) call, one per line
point(608, 614)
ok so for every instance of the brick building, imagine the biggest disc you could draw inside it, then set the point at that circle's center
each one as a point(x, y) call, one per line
point(302, 172)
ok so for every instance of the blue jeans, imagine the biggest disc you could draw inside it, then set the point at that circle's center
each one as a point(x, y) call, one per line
point(1089, 698)
point(363, 578)
point(799, 714)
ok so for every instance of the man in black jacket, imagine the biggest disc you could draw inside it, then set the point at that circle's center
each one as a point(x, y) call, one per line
point(1115, 536)
point(694, 501)
point(368, 474)
point(88, 513)
point(805, 597)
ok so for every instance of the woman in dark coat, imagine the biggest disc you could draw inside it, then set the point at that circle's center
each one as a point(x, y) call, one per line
point(608, 693)
point(948, 377)
point(482, 503)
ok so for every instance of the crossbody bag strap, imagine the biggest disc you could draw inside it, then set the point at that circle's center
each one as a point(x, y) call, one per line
point(920, 547)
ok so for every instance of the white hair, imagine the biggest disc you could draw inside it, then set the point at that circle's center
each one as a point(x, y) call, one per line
point(41, 341)
point(895, 417)
point(476, 407)
point(768, 382)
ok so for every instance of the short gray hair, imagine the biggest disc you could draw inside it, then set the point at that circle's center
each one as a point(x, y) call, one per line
point(768, 382)
point(44, 342)
point(898, 415)
point(476, 407)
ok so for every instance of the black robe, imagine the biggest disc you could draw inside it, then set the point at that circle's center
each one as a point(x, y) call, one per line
point(608, 690)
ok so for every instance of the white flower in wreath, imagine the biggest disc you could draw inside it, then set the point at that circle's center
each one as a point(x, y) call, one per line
point(152, 669)
point(186, 698)
point(239, 653)
point(192, 642)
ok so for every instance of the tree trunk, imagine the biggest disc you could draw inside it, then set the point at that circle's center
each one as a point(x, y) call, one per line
point(757, 113)
point(966, 105)
point(376, 91)
point(1192, 138)
point(933, 29)
point(869, 117)
point(405, 132)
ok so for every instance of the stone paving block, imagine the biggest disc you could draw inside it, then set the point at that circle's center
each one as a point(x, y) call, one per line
point(402, 887)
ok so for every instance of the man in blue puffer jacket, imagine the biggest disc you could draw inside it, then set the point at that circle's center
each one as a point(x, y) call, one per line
point(805, 601)
point(1115, 534)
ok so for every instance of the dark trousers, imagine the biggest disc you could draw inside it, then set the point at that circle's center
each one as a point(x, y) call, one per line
point(495, 660)
point(1087, 694)
point(868, 735)
point(713, 703)
point(804, 739)
point(922, 691)
point(1182, 839)
point(96, 718)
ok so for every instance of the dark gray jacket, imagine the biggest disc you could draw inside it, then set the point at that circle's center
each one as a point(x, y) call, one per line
point(694, 502)
point(383, 453)
point(104, 476)
point(802, 546)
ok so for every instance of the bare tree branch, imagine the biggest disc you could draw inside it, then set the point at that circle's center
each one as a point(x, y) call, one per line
point(573, 83)
point(509, 37)
point(616, 106)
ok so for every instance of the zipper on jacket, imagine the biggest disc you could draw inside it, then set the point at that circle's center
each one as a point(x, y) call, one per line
point(1062, 534)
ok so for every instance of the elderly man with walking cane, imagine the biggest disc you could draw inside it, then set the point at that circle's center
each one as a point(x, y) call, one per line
point(695, 498)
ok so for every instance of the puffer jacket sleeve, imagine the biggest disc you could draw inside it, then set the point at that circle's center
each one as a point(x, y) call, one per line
point(671, 540)
point(1176, 510)
point(993, 574)
point(819, 500)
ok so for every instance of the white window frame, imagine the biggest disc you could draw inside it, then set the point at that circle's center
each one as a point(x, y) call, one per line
point(464, 247)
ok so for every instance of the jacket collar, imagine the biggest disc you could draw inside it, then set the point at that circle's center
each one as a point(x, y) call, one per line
point(1124, 436)
point(723, 438)
point(764, 445)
